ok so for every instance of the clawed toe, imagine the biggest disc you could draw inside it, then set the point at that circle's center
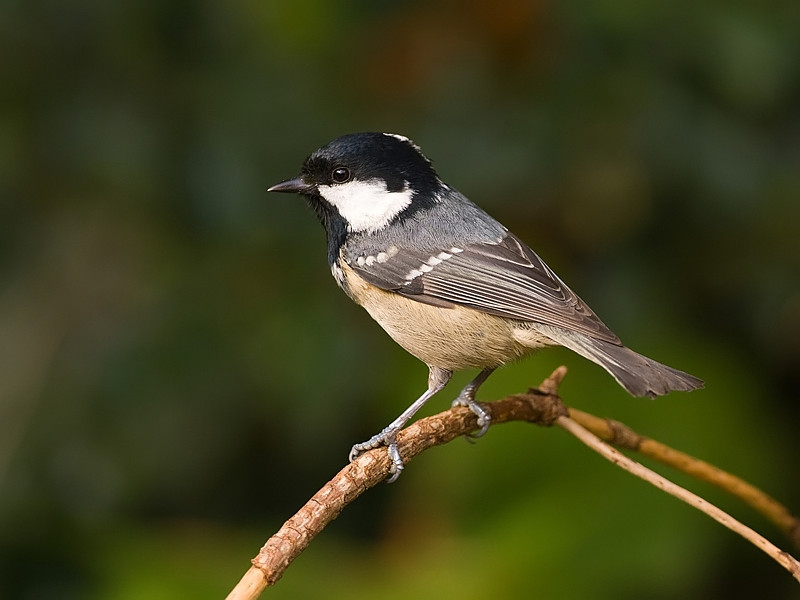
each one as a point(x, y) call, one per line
point(387, 438)
point(484, 418)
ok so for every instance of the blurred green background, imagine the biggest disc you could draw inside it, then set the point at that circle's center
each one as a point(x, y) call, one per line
point(179, 372)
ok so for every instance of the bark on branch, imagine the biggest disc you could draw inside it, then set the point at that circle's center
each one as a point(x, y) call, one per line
point(543, 407)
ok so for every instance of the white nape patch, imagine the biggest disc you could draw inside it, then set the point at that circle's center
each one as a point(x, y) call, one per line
point(403, 138)
point(366, 205)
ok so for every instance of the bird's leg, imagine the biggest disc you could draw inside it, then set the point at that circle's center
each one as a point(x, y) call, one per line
point(467, 398)
point(437, 379)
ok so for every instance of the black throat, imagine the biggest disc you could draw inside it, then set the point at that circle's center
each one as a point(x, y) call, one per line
point(334, 224)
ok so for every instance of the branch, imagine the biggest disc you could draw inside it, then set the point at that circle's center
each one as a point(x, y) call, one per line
point(623, 436)
point(540, 406)
point(595, 443)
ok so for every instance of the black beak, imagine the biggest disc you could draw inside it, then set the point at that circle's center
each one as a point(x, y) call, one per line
point(295, 186)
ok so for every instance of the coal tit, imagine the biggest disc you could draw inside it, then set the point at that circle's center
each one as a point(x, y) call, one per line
point(445, 280)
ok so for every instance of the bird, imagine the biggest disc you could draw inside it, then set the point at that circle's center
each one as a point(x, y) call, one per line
point(449, 283)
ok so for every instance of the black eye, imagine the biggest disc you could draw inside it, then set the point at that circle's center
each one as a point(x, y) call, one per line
point(340, 174)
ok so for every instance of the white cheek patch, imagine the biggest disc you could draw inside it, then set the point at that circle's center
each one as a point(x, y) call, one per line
point(366, 205)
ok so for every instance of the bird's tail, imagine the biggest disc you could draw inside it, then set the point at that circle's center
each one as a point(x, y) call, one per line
point(640, 375)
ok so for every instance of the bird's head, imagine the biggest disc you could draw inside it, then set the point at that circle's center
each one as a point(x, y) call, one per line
point(366, 179)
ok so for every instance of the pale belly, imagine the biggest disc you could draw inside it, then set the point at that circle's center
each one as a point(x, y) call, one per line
point(450, 338)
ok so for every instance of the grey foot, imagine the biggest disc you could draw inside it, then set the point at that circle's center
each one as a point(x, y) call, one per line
point(484, 418)
point(388, 438)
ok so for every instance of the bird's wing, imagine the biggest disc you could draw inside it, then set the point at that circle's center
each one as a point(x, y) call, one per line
point(507, 279)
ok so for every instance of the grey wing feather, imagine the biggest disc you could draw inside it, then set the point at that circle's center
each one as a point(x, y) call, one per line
point(506, 279)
